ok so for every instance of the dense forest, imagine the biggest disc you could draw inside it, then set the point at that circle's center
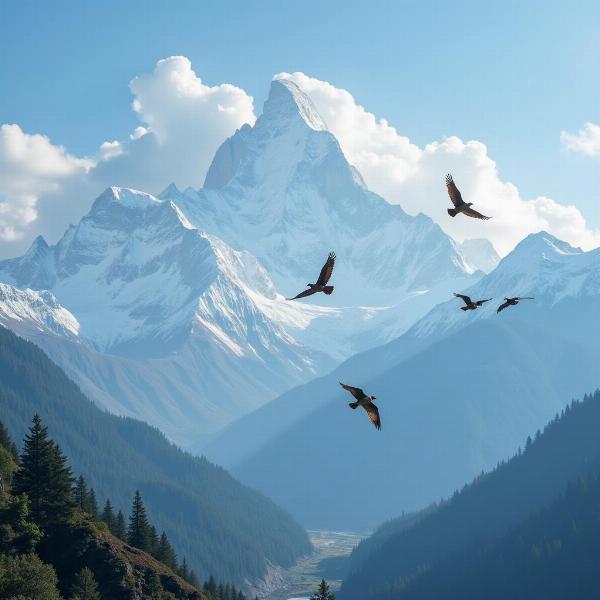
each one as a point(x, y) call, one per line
point(489, 508)
point(225, 529)
point(554, 554)
point(54, 544)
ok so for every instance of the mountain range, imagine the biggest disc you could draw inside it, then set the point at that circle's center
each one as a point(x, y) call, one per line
point(456, 393)
point(171, 308)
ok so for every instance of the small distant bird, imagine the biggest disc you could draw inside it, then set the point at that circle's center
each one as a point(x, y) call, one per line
point(470, 305)
point(512, 302)
point(366, 402)
point(460, 206)
point(321, 285)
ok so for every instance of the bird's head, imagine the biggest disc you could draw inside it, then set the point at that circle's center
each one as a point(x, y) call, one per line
point(373, 397)
point(469, 204)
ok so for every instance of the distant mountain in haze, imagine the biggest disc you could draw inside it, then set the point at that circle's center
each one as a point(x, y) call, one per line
point(456, 393)
point(223, 528)
point(527, 529)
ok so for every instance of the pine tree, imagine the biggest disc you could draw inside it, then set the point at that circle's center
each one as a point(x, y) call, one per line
point(85, 587)
point(91, 504)
point(138, 533)
point(193, 579)
point(165, 553)
point(153, 541)
point(120, 527)
point(323, 593)
point(45, 477)
point(183, 570)
point(80, 493)
point(211, 585)
point(108, 516)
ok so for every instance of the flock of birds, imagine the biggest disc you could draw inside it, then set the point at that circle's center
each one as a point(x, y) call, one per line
point(460, 207)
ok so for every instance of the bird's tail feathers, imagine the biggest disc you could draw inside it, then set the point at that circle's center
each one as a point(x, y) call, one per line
point(464, 308)
point(452, 212)
point(328, 289)
point(353, 405)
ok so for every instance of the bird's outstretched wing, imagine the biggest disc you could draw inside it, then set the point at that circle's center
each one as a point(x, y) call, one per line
point(466, 299)
point(482, 302)
point(356, 392)
point(327, 269)
point(453, 191)
point(503, 306)
point(525, 298)
point(308, 292)
point(470, 212)
point(373, 413)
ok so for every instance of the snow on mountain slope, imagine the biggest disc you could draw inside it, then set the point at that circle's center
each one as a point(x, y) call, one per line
point(564, 280)
point(480, 254)
point(457, 392)
point(284, 191)
point(176, 325)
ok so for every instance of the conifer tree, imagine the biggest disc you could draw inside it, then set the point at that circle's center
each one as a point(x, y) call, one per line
point(120, 527)
point(108, 516)
point(80, 493)
point(323, 593)
point(183, 569)
point(193, 579)
point(45, 477)
point(165, 553)
point(91, 504)
point(85, 587)
point(153, 541)
point(211, 585)
point(138, 533)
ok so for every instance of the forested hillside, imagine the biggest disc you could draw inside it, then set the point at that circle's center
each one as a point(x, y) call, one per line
point(554, 554)
point(225, 529)
point(489, 507)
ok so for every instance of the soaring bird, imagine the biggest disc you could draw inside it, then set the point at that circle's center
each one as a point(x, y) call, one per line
point(321, 285)
point(460, 206)
point(512, 302)
point(366, 402)
point(470, 305)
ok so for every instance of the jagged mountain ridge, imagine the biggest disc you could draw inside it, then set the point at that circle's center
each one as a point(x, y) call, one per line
point(456, 393)
point(170, 304)
point(178, 300)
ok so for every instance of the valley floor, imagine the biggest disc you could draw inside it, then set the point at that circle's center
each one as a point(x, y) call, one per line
point(329, 559)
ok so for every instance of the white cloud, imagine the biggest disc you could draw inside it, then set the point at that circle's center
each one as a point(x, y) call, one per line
point(43, 188)
point(184, 122)
point(586, 140)
point(413, 177)
point(30, 166)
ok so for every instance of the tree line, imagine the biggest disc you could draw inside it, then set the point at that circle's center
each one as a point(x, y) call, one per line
point(40, 500)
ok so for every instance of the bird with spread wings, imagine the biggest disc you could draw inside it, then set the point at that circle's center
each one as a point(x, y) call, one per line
point(460, 206)
point(324, 277)
point(366, 402)
point(512, 302)
point(469, 304)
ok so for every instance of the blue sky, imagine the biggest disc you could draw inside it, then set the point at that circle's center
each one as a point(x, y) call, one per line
point(510, 74)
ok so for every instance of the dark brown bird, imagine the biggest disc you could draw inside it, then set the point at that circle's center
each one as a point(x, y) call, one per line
point(470, 305)
point(366, 402)
point(460, 206)
point(512, 302)
point(321, 285)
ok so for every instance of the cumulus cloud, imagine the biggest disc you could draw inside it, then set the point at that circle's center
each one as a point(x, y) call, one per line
point(30, 166)
point(586, 140)
point(43, 188)
point(184, 122)
point(405, 174)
